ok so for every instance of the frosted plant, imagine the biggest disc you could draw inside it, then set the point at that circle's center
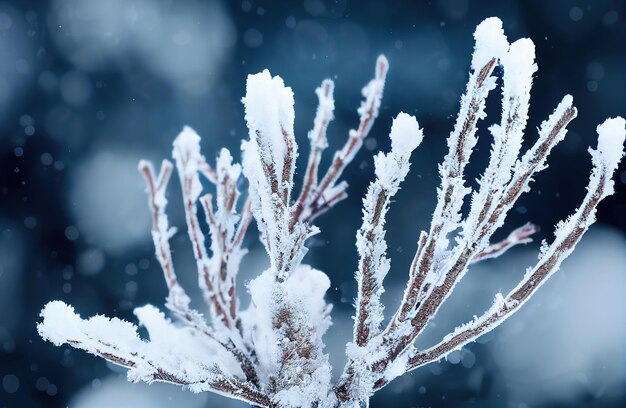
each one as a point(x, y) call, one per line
point(272, 354)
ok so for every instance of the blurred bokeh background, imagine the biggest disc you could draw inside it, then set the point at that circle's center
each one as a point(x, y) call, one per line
point(88, 87)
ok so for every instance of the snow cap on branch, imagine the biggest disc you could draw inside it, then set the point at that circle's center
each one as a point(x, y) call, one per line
point(268, 97)
point(325, 110)
point(226, 167)
point(187, 148)
point(187, 155)
point(269, 114)
point(611, 134)
point(405, 134)
point(519, 67)
point(374, 89)
point(405, 137)
point(490, 42)
point(60, 324)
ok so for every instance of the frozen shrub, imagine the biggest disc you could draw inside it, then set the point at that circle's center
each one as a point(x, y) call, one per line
point(272, 354)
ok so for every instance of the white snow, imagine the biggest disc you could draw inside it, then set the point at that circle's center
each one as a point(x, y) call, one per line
point(405, 134)
point(392, 167)
point(269, 112)
point(519, 66)
point(490, 42)
point(187, 155)
point(181, 352)
point(611, 134)
point(301, 296)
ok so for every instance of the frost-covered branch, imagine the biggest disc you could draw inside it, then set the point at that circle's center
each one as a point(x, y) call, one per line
point(227, 229)
point(319, 142)
point(429, 262)
point(437, 268)
point(269, 164)
point(272, 353)
point(568, 233)
point(390, 170)
point(161, 232)
point(189, 161)
point(327, 193)
point(172, 354)
point(518, 236)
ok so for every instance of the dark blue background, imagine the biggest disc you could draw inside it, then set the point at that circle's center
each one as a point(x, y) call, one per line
point(78, 96)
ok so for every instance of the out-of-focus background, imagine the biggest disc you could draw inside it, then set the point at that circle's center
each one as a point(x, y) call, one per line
point(88, 87)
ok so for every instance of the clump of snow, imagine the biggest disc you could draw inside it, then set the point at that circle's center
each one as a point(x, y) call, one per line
point(303, 291)
point(519, 66)
point(280, 316)
point(611, 134)
point(269, 112)
point(490, 42)
point(405, 134)
point(186, 152)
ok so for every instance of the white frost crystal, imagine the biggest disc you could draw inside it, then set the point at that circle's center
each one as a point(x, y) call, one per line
point(272, 354)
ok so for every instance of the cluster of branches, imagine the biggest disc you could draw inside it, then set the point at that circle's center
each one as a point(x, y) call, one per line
point(272, 354)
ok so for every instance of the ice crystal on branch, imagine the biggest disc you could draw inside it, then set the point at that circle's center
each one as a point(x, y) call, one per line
point(272, 354)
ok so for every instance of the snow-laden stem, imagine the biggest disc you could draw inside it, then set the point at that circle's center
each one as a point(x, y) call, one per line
point(188, 158)
point(391, 169)
point(518, 236)
point(327, 192)
point(319, 143)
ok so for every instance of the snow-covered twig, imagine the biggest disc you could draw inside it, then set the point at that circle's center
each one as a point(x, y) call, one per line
point(269, 164)
point(327, 193)
point(319, 143)
point(161, 232)
point(172, 354)
point(518, 236)
point(227, 229)
point(189, 160)
point(390, 169)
